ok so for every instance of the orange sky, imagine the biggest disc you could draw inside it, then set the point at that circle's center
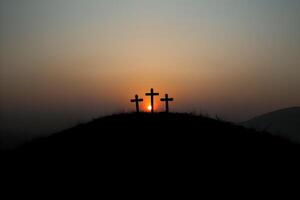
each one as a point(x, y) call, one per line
point(76, 59)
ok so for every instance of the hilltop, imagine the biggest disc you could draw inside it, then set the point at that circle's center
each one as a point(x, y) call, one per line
point(147, 132)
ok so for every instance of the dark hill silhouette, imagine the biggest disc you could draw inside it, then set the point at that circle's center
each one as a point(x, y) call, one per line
point(146, 133)
point(284, 122)
point(153, 145)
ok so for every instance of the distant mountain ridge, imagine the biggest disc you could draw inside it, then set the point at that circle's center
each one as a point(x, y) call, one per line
point(283, 122)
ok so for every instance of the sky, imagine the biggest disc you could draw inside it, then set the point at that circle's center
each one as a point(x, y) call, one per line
point(66, 61)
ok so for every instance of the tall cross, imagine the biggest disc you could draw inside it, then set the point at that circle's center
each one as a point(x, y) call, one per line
point(136, 100)
point(166, 100)
point(152, 94)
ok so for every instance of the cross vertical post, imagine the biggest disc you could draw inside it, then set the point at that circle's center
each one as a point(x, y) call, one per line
point(166, 100)
point(136, 100)
point(152, 94)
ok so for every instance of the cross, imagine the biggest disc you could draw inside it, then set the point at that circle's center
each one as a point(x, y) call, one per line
point(136, 100)
point(167, 99)
point(152, 94)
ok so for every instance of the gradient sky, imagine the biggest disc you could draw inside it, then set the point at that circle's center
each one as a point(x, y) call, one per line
point(63, 61)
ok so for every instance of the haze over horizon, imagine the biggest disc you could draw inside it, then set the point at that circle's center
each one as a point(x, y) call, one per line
point(63, 61)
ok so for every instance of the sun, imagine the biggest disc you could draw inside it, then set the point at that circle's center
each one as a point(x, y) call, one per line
point(149, 107)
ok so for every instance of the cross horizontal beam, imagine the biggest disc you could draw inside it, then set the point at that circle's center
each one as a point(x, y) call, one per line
point(135, 100)
point(169, 99)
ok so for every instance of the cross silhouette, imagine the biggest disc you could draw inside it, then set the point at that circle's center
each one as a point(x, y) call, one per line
point(136, 100)
point(152, 94)
point(166, 100)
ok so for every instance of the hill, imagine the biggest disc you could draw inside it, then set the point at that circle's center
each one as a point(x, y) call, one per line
point(147, 132)
point(284, 122)
point(153, 145)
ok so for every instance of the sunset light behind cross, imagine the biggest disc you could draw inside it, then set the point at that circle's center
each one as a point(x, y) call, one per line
point(149, 108)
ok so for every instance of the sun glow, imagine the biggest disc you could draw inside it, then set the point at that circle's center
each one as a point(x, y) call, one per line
point(149, 108)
